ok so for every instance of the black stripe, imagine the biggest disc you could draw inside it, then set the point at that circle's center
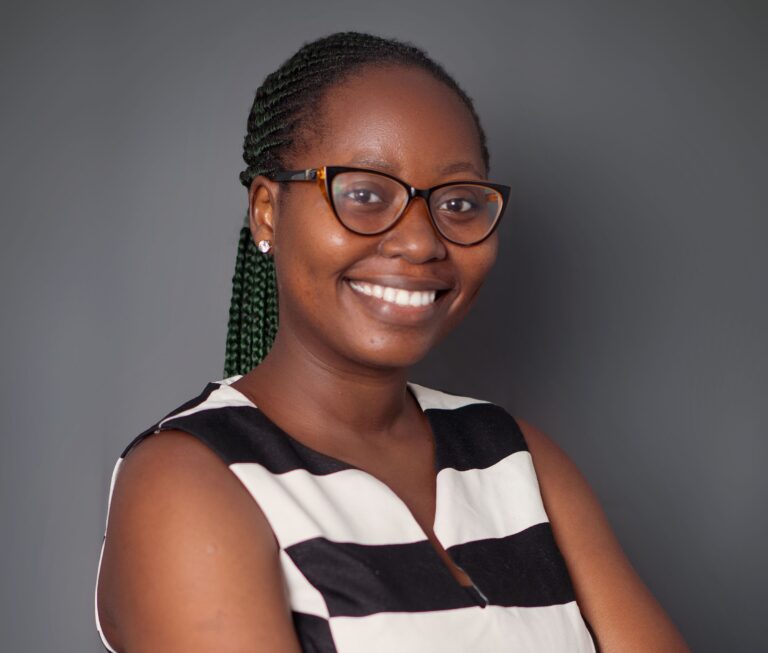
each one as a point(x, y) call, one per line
point(474, 436)
point(206, 392)
point(471, 437)
point(191, 403)
point(313, 632)
point(358, 580)
point(243, 434)
point(525, 569)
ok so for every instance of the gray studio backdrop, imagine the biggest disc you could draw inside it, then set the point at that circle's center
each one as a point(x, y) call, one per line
point(626, 316)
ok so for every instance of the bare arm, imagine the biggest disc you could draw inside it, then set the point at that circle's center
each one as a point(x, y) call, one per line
point(624, 614)
point(190, 562)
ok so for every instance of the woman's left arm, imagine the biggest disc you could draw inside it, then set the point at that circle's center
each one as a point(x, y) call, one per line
point(622, 611)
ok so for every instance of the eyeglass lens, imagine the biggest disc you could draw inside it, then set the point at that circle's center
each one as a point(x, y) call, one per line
point(369, 203)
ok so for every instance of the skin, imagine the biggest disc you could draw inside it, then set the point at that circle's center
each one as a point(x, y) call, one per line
point(190, 562)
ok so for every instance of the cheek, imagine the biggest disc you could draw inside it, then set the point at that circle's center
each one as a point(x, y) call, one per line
point(306, 232)
point(478, 261)
point(475, 264)
point(313, 249)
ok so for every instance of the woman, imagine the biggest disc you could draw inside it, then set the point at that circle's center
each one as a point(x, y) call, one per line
point(315, 499)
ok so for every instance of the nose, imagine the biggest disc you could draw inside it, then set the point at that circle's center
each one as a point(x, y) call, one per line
point(413, 236)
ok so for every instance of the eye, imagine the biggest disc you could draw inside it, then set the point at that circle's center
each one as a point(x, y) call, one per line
point(363, 196)
point(457, 205)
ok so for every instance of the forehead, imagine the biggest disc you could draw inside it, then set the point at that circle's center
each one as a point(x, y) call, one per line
point(397, 118)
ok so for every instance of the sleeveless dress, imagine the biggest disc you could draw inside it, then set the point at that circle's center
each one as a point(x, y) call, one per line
point(361, 574)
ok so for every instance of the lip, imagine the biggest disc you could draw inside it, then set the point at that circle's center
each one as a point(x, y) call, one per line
point(395, 313)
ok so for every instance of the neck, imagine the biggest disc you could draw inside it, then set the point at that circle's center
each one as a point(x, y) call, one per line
point(307, 391)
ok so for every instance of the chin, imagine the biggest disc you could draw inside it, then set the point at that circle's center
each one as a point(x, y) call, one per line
point(390, 352)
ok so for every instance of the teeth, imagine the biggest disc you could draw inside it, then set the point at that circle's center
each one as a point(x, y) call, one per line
point(398, 296)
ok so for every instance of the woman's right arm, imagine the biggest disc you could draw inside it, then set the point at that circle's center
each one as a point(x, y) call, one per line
point(190, 562)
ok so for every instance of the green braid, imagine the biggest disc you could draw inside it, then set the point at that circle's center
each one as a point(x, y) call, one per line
point(284, 102)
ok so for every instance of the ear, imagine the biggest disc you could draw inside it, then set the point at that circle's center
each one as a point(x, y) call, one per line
point(262, 203)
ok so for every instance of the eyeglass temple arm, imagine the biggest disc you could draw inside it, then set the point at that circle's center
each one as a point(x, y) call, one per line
point(310, 174)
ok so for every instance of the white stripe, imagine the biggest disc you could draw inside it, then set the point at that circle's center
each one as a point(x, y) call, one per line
point(354, 506)
point(302, 595)
point(497, 501)
point(431, 398)
point(219, 398)
point(101, 555)
point(494, 629)
point(346, 506)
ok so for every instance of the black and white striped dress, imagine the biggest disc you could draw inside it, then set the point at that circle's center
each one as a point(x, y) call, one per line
point(362, 577)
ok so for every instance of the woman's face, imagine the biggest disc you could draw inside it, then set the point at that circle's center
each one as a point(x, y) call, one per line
point(404, 122)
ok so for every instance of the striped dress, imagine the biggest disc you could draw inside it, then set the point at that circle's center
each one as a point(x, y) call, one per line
point(360, 572)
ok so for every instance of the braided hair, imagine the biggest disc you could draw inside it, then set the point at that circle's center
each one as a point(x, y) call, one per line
point(284, 101)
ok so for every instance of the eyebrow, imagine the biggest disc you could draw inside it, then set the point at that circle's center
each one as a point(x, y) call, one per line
point(451, 168)
point(459, 166)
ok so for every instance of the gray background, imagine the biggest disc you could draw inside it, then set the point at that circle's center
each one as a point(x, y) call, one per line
point(626, 316)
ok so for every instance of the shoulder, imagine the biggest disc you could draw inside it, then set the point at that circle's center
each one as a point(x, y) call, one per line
point(613, 598)
point(179, 460)
point(188, 554)
point(175, 466)
point(572, 506)
point(559, 477)
point(173, 479)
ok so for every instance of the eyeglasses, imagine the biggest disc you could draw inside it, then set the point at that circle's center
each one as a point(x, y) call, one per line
point(369, 202)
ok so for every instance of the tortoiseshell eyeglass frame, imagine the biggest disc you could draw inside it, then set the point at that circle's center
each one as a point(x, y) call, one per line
point(324, 176)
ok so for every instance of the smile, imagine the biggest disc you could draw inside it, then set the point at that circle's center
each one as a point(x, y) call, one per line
point(393, 295)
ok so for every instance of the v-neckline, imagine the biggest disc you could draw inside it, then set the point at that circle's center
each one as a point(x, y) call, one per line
point(473, 590)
